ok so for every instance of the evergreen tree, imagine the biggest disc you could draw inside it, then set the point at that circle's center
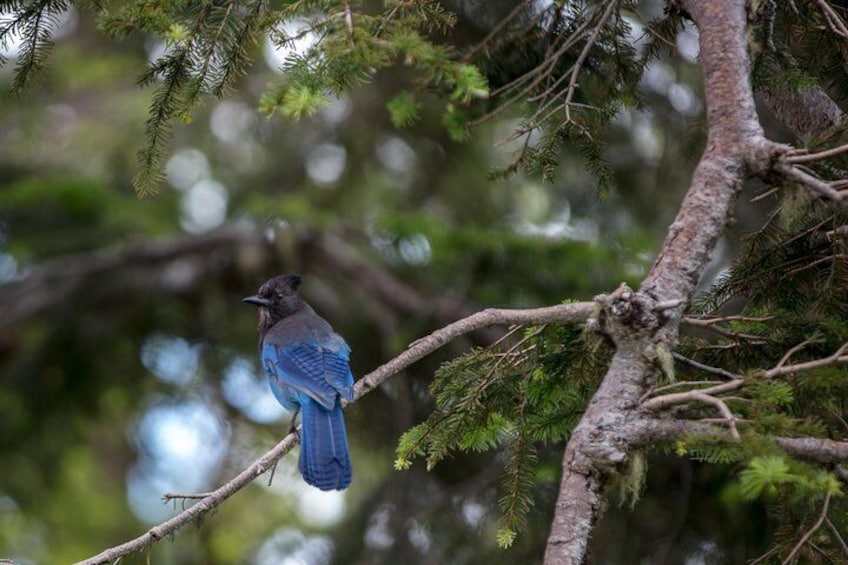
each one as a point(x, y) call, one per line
point(745, 372)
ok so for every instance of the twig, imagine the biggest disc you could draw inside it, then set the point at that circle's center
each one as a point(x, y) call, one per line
point(496, 30)
point(723, 420)
point(682, 384)
point(840, 541)
point(722, 408)
point(792, 351)
point(562, 314)
point(169, 496)
point(537, 74)
point(712, 325)
point(810, 532)
point(706, 368)
point(824, 154)
point(834, 22)
point(763, 195)
point(704, 321)
point(764, 556)
point(578, 65)
point(834, 359)
point(834, 257)
point(668, 305)
point(572, 74)
point(348, 19)
point(205, 505)
point(664, 401)
point(817, 185)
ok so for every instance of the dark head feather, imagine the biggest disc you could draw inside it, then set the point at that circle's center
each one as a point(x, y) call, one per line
point(276, 299)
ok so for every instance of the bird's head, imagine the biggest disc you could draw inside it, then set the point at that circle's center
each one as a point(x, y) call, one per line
point(276, 299)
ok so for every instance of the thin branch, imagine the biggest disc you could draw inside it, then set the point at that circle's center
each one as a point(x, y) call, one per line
point(706, 368)
point(205, 505)
point(496, 30)
point(712, 325)
point(348, 20)
point(792, 351)
point(824, 154)
point(562, 314)
point(666, 400)
point(650, 431)
point(834, 257)
point(704, 321)
point(581, 59)
point(780, 369)
point(811, 531)
point(765, 555)
point(834, 22)
point(837, 358)
point(764, 195)
point(824, 188)
point(722, 408)
point(840, 541)
point(572, 75)
point(57, 280)
point(537, 74)
point(680, 385)
point(169, 496)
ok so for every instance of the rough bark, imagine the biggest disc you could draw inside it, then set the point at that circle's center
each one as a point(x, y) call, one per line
point(642, 323)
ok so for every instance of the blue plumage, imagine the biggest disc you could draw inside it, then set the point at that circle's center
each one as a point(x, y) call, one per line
point(307, 367)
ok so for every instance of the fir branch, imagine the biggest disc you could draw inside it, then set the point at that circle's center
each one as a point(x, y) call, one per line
point(34, 24)
point(236, 56)
point(167, 102)
point(517, 481)
point(581, 59)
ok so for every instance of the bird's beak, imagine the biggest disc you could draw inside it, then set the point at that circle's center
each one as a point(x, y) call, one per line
point(257, 301)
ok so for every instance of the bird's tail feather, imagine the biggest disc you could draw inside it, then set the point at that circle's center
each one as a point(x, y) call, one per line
point(324, 458)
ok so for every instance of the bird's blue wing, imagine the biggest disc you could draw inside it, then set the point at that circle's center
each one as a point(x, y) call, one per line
point(319, 370)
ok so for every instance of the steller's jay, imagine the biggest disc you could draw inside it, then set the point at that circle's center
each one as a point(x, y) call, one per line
point(307, 367)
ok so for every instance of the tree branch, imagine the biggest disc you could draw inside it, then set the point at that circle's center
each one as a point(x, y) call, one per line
point(651, 431)
point(562, 314)
point(779, 370)
point(55, 280)
point(824, 188)
point(194, 512)
point(735, 147)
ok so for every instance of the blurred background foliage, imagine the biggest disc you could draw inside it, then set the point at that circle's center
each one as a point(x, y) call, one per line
point(127, 359)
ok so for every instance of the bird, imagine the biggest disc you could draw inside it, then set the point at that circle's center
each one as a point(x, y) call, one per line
point(307, 365)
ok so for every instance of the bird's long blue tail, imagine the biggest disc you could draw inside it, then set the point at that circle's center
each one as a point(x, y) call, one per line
point(324, 458)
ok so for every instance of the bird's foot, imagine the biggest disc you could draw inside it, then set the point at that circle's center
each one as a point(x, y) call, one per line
point(293, 427)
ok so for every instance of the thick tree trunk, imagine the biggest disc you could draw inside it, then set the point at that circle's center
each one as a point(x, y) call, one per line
point(644, 325)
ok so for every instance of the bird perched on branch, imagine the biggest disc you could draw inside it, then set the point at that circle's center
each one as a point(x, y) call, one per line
point(307, 367)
